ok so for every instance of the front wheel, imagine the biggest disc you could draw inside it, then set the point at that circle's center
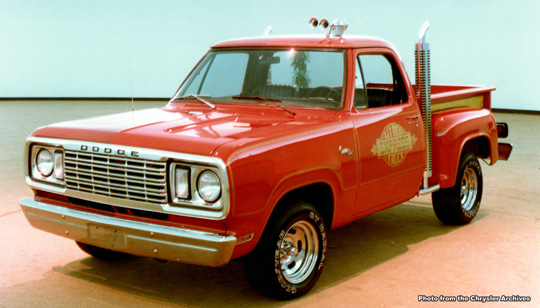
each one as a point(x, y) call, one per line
point(290, 255)
point(459, 204)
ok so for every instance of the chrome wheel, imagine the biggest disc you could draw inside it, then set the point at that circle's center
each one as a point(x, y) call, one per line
point(469, 189)
point(459, 204)
point(299, 251)
point(291, 253)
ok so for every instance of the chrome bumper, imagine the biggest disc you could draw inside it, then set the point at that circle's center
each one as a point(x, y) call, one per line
point(133, 237)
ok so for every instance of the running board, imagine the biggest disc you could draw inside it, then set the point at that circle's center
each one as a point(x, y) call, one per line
point(429, 190)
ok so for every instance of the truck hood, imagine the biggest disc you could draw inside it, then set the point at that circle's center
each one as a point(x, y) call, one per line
point(193, 132)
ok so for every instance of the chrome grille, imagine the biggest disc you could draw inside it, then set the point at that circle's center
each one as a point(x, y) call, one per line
point(116, 176)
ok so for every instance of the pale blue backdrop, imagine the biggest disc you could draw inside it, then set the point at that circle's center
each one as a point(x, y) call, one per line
point(65, 48)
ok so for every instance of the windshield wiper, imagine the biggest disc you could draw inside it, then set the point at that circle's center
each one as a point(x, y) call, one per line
point(257, 98)
point(198, 97)
point(266, 99)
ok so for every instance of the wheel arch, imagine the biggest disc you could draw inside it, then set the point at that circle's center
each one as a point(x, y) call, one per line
point(455, 134)
point(477, 145)
point(319, 194)
point(321, 188)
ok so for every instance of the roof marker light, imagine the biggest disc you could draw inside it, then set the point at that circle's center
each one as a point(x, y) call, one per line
point(324, 24)
point(314, 22)
point(337, 26)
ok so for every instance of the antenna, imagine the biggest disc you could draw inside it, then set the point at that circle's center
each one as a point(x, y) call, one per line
point(268, 30)
point(129, 63)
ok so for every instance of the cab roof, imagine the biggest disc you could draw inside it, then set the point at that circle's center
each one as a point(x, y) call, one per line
point(306, 42)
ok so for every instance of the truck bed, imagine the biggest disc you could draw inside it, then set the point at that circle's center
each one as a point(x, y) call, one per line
point(444, 97)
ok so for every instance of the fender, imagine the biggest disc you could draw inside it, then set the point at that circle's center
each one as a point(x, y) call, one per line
point(255, 223)
point(267, 170)
point(451, 131)
point(342, 196)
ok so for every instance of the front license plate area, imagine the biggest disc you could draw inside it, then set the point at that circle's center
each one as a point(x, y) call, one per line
point(107, 237)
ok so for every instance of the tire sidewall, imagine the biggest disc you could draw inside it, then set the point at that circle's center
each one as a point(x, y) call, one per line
point(263, 265)
point(287, 287)
point(447, 201)
point(471, 162)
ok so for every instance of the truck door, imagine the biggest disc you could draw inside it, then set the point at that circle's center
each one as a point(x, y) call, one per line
point(389, 132)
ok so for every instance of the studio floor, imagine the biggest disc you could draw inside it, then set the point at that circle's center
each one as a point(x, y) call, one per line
point(388, 259)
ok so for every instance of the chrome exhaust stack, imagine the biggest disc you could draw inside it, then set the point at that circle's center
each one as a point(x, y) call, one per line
point(423, 94)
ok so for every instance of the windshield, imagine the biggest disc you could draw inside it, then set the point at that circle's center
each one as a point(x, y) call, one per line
point(297, 78)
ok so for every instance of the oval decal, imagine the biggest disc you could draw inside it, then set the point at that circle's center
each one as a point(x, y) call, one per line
point(393, 145)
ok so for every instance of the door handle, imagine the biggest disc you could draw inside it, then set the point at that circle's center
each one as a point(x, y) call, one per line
point(345, 151)
point(414, 119)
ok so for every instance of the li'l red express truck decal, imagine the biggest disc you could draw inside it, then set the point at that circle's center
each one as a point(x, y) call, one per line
point(394, 144)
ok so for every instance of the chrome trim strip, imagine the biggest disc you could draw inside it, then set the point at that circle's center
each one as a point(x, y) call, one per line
point(191, 209)
point(138, 238)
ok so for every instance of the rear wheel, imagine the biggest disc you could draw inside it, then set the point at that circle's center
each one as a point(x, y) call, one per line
point(290, 255)
point(459, 204)
point(102, 253)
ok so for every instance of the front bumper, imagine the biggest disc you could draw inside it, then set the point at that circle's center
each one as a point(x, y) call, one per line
point(133, 237)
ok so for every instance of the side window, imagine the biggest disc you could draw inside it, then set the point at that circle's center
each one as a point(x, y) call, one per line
point(382, 81)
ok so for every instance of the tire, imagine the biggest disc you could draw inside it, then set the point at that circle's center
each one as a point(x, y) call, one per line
point(102, 253)
point(459, 204)
point(291, 253)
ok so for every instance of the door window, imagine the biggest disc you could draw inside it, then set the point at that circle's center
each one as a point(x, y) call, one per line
point(382, 81)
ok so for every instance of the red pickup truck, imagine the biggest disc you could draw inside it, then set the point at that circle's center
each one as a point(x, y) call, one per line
point(269, 143)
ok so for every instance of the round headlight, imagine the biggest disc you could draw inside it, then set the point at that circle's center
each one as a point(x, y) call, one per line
point(44, 162)
point(209, 186)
